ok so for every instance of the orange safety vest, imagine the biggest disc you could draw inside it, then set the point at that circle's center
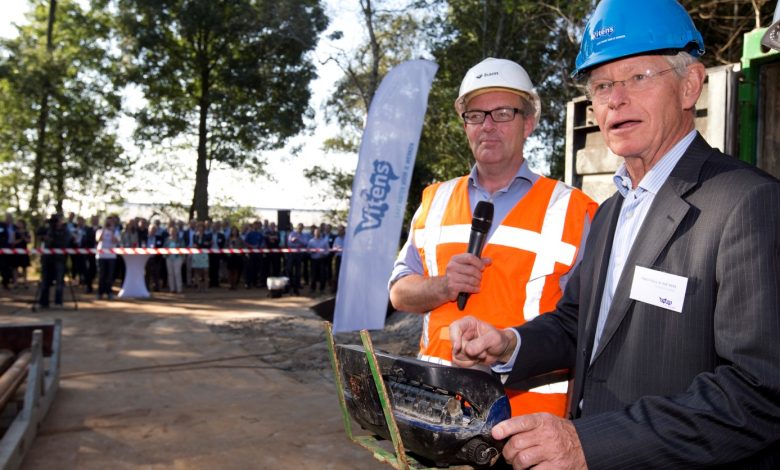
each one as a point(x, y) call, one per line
point(533, 247)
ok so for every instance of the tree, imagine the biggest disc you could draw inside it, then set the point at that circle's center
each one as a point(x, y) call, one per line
point(59, 100)
point(723, 23)
point(541, 36)
point(234, 73)
point(393, 34)
point(544, 38)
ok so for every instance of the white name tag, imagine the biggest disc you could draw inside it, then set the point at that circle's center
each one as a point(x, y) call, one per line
point(659, 288)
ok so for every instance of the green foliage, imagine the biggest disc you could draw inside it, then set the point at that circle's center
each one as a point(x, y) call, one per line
point(393, 35)
point(77, 78)
point(541, 36)
point(544, 38)
point(723, 24)
point(234, 73)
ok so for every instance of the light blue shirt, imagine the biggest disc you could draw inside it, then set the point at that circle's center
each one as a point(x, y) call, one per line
point(636, 204)
point(504, 200)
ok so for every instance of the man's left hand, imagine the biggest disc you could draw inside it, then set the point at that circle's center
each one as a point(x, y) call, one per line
point(542, 441)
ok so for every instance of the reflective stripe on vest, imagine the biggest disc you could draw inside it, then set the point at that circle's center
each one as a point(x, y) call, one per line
point(442, 227)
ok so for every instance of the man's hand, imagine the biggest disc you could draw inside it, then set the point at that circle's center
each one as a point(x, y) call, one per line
point(477, 342)
point(463, 274)
point(541, 441)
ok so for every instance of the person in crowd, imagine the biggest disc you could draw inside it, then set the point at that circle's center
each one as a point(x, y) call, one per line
point(327, 232)
point(283, 256)
point(143, 231)
point(534, 243)
point(156, 264)
point(296, 242)
point(254, 239)
point(70, 223)
point(55, 235)
point(215, 259)
point(174, 261)
point(186, 232)
point(200, 261)
point(21, 261)
point(235, 261)
point(306, 258)
point(6, 241)
point(89, 241)
point(78, 261)
point(338, 250)
point(671, 323)
point(129, 235)
point(128, 238)
point(274, 258)
point(318, 252)
point(108, 238)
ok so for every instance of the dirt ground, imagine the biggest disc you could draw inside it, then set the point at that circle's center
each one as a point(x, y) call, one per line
point(222, 379)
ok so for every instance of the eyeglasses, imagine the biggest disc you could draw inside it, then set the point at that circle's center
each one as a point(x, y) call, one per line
point(477, 116)
point(600, 90)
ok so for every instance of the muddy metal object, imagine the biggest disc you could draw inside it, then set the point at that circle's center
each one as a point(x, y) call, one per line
point(37, 348)
point(443, 414)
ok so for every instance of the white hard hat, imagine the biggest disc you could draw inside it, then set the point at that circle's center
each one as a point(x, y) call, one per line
point(497, 75)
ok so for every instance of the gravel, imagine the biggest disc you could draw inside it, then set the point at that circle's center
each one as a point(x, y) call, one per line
point(296, 343)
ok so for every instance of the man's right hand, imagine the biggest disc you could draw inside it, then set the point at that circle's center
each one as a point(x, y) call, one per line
point(464, 274)
point(420, 294)
point(477, 342)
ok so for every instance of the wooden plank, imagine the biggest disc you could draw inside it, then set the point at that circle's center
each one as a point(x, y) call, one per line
point(13, 377)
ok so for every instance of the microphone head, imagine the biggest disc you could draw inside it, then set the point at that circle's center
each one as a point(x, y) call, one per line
point(483, 217)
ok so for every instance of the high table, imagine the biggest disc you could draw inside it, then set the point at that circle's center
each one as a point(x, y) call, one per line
point(134, 285)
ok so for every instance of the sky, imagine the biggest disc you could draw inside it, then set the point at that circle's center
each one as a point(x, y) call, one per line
point(289, 188)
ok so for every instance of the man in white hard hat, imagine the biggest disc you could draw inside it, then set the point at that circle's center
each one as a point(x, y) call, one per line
point(671, 322)
point(535, 240)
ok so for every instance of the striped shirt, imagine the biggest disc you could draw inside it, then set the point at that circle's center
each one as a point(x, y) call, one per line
point(636, 204)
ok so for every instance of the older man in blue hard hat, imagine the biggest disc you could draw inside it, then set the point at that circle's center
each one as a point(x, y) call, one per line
point(671, 322)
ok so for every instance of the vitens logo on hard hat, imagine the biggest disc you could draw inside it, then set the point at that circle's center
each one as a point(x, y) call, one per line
point(622, 28)
point(602, 32)
point(498, 75)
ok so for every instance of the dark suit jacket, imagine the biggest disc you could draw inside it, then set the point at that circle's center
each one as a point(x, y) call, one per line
point(668, 389)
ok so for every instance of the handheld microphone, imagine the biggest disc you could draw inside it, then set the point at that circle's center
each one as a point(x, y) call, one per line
point(480, 226)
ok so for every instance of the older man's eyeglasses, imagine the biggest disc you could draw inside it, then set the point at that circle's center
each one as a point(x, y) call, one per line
point(477, 116)
point(600, 90)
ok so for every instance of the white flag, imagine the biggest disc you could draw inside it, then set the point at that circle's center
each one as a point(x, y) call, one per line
point(379, 191)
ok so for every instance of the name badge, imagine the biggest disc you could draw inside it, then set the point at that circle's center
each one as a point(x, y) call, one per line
point(659, 288)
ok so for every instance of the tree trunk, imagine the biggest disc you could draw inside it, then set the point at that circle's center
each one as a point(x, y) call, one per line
point(201, 198)
point(59, 178)
point(43, 115)
point(373, 77)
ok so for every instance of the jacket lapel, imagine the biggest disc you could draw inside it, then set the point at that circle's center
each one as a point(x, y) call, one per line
point(665, 215)
point(598, 247)
point(601, 248)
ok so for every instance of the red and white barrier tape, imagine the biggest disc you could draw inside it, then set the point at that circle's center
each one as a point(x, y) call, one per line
point(156, 251)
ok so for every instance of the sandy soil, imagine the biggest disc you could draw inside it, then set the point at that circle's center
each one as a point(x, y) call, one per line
point(223, 379)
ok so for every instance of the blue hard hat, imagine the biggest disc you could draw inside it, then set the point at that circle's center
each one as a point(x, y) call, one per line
point(623, 28)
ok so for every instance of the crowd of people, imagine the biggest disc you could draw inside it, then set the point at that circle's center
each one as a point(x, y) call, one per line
point(315, 263)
